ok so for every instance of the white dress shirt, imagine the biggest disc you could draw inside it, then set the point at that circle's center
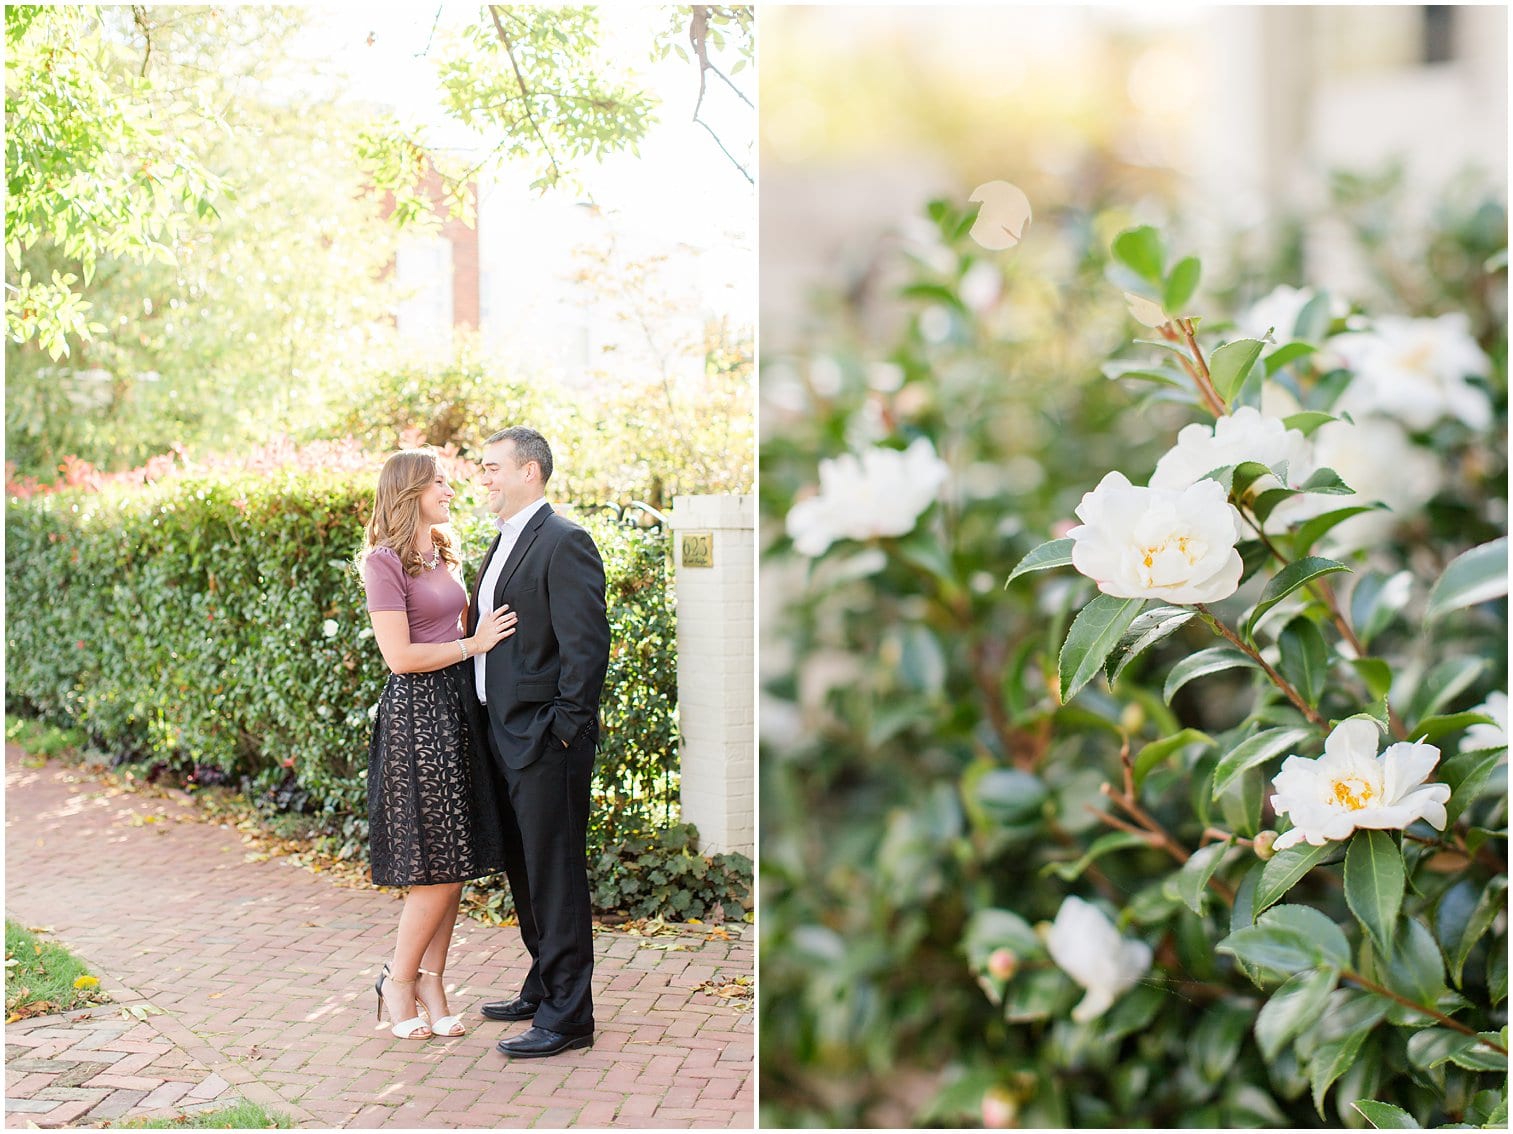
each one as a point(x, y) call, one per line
point(509, 535)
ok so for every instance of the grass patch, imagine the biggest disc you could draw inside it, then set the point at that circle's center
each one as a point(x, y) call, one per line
point(242, 1116)
point(42, 977)
point(42, 740)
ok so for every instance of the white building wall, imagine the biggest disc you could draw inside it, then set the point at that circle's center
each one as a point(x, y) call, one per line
point(716, 671)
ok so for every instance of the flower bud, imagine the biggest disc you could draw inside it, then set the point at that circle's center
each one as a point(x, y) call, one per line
point(1132, 719)
point(1264, 845)
point(1003, 964)
point(999, 1109)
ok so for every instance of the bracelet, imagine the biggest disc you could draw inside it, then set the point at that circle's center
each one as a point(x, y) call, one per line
point(463, 646)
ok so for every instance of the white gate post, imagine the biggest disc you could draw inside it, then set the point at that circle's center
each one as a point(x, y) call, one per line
point(714, 548)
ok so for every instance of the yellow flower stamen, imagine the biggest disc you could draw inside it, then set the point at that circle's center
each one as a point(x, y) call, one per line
point(1353, 794)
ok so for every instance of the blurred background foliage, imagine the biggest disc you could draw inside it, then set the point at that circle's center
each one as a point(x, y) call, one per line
point(915, 768)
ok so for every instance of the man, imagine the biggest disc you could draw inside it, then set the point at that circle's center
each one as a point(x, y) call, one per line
point(538, 707)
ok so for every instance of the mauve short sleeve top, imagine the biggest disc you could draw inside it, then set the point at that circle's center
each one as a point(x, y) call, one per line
point(433, 600)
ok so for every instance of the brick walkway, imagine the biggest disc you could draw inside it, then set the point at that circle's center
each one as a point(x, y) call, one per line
point(254, 979)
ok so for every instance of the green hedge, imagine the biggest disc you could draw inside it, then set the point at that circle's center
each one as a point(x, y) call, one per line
point(217, 626)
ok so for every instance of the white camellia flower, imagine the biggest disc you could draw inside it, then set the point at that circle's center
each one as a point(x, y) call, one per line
point(1088, 948)
point(1415, 370)
point(1375, 457)
point(1488, 735)
point(882, 492)
point(1004, 216)
point(1351, 787)
point(1176, 546)
point(1245, 435)
point(329, 628)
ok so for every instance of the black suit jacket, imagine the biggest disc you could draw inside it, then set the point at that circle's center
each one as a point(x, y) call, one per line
point(543, 682)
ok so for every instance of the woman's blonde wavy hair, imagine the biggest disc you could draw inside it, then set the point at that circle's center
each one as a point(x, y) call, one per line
point(396, 511)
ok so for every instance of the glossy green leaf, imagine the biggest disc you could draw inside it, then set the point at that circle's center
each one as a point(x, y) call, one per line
point(1231, 364)
point(1374, 882)
point(1385, 1116)
point(1095, 632)
point(1376, 600)
point(1294, 1006)
point(991, 929)
point(1416, 970)
point(1282, 356)
point(1201, 664)
point(1309, 532)
point(1441, 685)
point(1145, 631)
point(1284, 870)
point(1492, 901)
point(1104, 844)
point(1191, 881)
point(1329, 1062)
point(1010, 797)
point(1052, 554)
point(1215, 1041)
point(1326, 482)
point(1158, 750)
point(1181, 283)
point(1467, 774)
point(1287, 580)
point(1258, 749)
point(1474, 576)
point(1141, 250)
point(1304, 660)
point(1289, 939)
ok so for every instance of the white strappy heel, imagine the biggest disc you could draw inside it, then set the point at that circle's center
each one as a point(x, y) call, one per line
point(446, 1027)
point(415, 1028)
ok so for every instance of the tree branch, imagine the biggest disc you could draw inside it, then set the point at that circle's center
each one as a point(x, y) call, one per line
point(509, 49)
point(1250, 651)
point(698, 30)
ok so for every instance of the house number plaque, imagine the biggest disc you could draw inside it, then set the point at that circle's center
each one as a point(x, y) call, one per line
point(698, 549)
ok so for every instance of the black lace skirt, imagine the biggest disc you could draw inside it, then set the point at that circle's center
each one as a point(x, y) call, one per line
point(432, 802)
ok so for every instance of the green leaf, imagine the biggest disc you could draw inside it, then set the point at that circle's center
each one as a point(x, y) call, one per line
point(1104, 844)
point(991, 929)
point(1416, 970)
point(1284, 870)
point(1292, 1008)
point(1385, 1116)
point(1118, 370)
point(1255, 750)
point(1266, 503)
point(1431, 1047)
point(1289, 579)
point(1157, 750)
point(1467, 774)
point(1289, 939)
point(1376, 600)
point(1326, 482)
point(1008, 796)
point(1329, 1062)
point(1190, 884)
point(1374, 882)
point(1432, 728)
point(1443, 684)
point(1231, 364)
point(1056, 553)
point(1493, 901)
point(1151, 627)
point(1472, 577)
point(1215, 1042)
point(1245, 474)
point(1304, 658)
point(1095, 632)
point(1311, 531)
point(1291, 352)
point(1181, 283)
point(1140, 249)
point(1201, 664)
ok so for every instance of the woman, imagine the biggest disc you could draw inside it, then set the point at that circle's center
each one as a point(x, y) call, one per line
point(426, 793)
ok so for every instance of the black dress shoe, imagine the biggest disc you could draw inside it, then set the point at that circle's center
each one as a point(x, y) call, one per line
point(539, 1042)
point(517, 1009)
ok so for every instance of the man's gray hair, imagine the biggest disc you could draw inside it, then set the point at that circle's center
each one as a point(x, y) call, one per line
point(529, 446)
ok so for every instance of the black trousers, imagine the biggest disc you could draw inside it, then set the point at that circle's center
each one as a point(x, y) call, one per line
point(546, 860)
